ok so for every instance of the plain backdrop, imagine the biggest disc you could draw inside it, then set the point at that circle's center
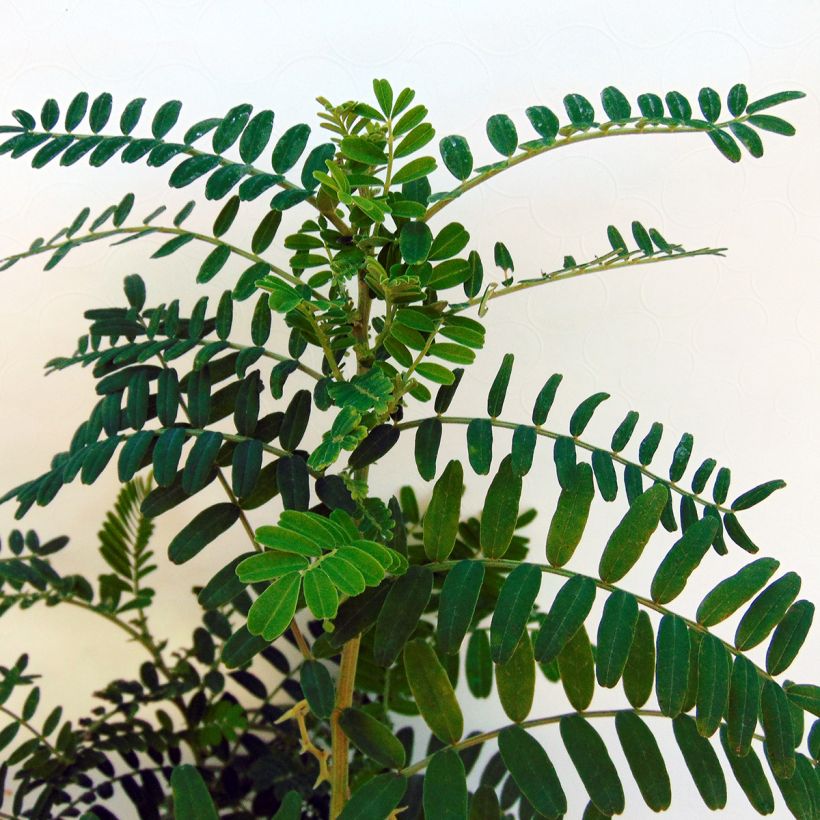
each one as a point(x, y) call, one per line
point(726, 349)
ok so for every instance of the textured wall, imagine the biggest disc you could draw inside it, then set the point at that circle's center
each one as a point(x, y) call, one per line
point(726, 349)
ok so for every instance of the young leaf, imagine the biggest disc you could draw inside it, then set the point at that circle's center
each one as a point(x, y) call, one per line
point(433, 691)
point(274, 609)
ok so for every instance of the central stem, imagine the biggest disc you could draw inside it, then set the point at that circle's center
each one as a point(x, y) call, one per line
point(340, 747)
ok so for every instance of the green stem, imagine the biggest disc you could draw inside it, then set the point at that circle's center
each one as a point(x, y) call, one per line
point(508, 425)
point(26, 725)
point(605, 130)
point(647, 603)
point(560, 274)
point(476, 740)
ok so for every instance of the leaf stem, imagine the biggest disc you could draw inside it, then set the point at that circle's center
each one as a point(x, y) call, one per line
point(605, 130)
point(647, 603)
point(476, 740)
point(551, 434)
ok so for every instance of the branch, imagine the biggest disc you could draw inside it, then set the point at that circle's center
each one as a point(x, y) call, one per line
point(476, 740)
point(508, 425)
point(647, 603)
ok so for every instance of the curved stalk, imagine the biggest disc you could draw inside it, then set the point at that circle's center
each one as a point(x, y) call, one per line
point(508, 425)
point(647, 603)
point(477, 740)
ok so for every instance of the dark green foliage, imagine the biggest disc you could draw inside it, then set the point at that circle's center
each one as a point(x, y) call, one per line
point(364, 605)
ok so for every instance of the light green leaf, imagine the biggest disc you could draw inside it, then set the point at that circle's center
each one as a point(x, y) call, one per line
point(273, 610)
point(729, 595)
point(433, 691)
point(500, 512)
point(570, 518)
point(515, 681)
point(191, 798)
point(442, 516)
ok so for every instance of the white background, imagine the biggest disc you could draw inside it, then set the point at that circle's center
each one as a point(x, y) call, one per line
point(726, 349)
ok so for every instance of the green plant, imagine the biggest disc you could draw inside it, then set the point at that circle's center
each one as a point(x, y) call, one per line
point(402, 599)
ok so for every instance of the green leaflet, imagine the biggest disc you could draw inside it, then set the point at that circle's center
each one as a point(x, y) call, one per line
point(502, 134)
point(570, 518)
point(645, 760)
point(498, 389)
point(191, 798)
point(480, 445)
point(428, 439)
point(615, 633)
point(479, 665)
point(682, 560)
point(445, 787)
point(500, 512)
point(776, 720)
point(265, 566)
point(484, 804)
point(583, 413)
point(274, 609)
point(702, 762)
point(321, 596)
point(729, 595)
point(415, 241)
point(457, 157)
point(442, 516)
point(714, 665)
point(766, 611)
point(286, 540)
point(200, 461)
point(515, 681)
point(402, 609)
point(449, 241)
point(744, 698)
point(749, 774)
point(296, 420)
point(289, 148)
point(789, 637)
point(513, 610)
point(577, 669)
point(457, 603)
point(204, 528)
point(532, 771)
point(372, 738)
point(756, 495)
point(627, 542)
point(594, 765)
point(433, 691)
point(318, 688)
point(375, 798)
point(523, 449)
point(800, 791)
point(568, 612)
point(604, 470)
point(672, 664)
